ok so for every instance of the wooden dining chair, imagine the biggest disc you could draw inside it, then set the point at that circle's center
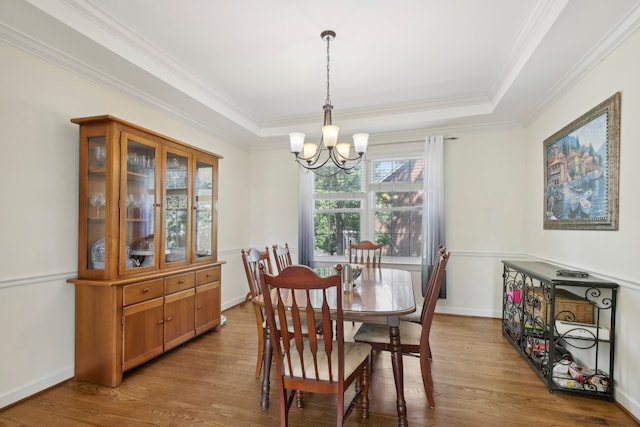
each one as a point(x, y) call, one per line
point(366, 253)
point(252, 259)
point(313, 363)
point(414, 337)
point(416, 316)
point(282, 256)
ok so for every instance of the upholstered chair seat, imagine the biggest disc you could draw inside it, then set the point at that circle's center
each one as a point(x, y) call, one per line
point(373, 332)
point(354, 353)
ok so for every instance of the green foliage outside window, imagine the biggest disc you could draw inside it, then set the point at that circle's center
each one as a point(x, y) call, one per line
point(340, 182)
point(336, 218)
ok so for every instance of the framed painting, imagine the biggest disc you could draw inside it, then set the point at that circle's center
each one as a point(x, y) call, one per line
point(581, 163)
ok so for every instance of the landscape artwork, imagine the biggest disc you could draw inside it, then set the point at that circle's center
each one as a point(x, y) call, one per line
point(581, 171)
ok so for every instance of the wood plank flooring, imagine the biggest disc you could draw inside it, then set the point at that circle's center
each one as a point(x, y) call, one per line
point(479, 381)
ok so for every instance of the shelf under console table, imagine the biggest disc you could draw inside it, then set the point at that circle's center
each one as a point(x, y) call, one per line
point(563, 326)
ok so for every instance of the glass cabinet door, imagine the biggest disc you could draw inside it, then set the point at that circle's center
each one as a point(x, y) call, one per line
point(176, 208)
point(204, 209)
point(139, 245)
point(96, 207)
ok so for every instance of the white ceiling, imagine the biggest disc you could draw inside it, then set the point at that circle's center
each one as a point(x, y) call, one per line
point(251, 71)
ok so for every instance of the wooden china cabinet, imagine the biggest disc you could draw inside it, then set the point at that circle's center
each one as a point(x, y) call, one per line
point(148, 274)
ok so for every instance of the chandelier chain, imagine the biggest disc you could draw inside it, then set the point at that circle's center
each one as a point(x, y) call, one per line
point(328, 101)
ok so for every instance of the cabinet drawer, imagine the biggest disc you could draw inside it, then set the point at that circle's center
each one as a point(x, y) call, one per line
point(143, 291)
point(208, 275)
point(207, 287)
point(179, 282)
point(179, 296)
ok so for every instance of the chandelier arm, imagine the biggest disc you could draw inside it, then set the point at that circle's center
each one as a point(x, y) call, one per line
point(329, 172)
point(316, 157)
point(312, 166)
point(348, 159)
point(346, 166)
point(315, 164)
point(311, 160)
point(311, 163)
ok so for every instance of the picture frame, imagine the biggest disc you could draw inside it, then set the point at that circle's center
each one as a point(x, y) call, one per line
point(581, 171)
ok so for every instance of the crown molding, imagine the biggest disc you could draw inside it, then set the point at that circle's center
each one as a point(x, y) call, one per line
point(50, 54)
point(541, 19)
point(208, 109)
point(407, 115)
point(629, 25)
point(88, 19)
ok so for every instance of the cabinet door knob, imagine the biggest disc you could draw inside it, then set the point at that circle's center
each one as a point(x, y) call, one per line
point(180, 282)
point(199, 307)
point(145, 290)
point(209, 274)
point(169, 318)
point(160, 322)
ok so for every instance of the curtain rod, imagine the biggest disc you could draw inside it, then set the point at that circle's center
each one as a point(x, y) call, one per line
point(450, 138)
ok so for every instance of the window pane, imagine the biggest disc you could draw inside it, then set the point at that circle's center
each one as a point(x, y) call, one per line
point(338, 204)
point(140, 182)
point(176, 211)
point(399, 199)
point(400, 232)
point(334, 230)
point(408, 171)
point(204, 208)
point(340, 182)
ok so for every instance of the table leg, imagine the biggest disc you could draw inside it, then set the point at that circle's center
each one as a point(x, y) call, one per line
point(398, 374)
point(266, 369)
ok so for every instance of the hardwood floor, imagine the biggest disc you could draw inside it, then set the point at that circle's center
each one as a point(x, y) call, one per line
point(479, 381)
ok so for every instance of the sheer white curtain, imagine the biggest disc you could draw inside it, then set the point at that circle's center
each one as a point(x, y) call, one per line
point(305, 226)
point(433, 210)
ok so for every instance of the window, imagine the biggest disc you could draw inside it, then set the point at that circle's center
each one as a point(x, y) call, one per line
point(396, 189)
point(380, 201)
point(339, 203)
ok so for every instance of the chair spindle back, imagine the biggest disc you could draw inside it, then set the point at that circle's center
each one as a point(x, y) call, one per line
point(366, 253)
point(282, 255)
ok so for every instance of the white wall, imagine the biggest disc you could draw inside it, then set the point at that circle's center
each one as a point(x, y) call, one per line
point(611, 254)
point(274, 197)
point(483, 210)
point(39, 212)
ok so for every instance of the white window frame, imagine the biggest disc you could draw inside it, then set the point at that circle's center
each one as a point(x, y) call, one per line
point(371, 189)
point(367, 209)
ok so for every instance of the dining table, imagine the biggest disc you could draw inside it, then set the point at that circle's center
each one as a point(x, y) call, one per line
point(378, 295)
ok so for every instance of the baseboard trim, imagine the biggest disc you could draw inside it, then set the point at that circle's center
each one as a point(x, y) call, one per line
point(42, 384)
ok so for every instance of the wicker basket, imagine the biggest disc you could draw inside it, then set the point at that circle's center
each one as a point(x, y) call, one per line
point(567, 305)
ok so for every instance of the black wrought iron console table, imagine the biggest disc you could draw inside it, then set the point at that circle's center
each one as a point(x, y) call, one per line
point(563, 326)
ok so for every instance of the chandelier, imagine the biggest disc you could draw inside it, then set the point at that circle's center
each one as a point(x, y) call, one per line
point(312, 156)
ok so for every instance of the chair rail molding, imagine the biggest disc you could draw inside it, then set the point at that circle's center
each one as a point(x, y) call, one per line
point(32, 280)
